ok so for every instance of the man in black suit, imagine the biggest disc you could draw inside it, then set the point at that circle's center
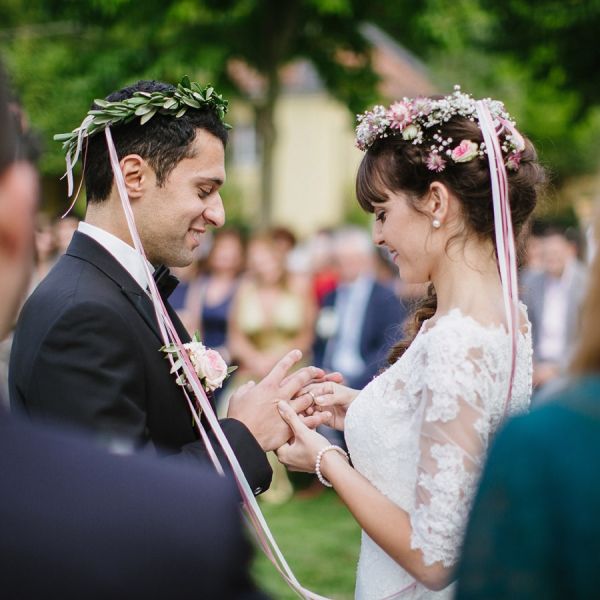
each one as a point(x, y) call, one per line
point(86, 348)
point(77, 522)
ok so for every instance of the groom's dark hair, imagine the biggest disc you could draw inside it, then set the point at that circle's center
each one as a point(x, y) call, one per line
point(163, 141)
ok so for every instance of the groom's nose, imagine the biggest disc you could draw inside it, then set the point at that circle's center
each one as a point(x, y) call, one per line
point(214, 213)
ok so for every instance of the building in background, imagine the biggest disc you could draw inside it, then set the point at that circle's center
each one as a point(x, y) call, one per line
point(315, 159)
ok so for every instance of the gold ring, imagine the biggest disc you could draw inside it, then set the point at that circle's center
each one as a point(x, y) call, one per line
point(314, 398)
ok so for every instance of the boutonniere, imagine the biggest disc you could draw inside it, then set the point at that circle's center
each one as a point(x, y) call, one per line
point(209, 365)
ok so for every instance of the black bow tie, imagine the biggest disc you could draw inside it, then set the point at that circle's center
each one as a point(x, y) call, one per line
point(165, 282)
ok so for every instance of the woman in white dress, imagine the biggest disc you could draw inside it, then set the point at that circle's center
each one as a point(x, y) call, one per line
point(418, 433)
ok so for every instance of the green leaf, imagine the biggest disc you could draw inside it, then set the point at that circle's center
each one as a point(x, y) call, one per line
point(142, 110)
point(148, 116)
point(185, 81)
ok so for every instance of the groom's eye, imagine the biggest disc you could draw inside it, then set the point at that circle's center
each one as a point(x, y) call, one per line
point(204, 193)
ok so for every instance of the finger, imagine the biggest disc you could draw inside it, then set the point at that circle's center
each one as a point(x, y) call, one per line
point(301, 403)
point(335, 377)
point(314, 421)
point(298, 380)
point(279, 371)
point(288, 414)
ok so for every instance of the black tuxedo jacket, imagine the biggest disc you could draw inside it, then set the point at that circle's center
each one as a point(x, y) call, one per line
point(79, 523)
point(86, 350)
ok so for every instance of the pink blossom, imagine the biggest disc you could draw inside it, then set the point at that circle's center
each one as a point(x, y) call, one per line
point(213, 369)
point(435, 162)
point(465, 151)
point(400, 115)
point(513, 162)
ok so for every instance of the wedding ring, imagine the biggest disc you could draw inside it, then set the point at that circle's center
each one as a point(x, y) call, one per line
point(314, 398)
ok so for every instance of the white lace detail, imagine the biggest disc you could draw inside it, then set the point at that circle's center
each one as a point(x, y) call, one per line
point(419, 433)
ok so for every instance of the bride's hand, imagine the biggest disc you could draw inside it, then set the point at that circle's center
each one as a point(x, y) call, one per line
point(300, 454)
point(332, 397)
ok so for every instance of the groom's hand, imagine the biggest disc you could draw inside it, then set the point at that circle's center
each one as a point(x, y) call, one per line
point(255, 405)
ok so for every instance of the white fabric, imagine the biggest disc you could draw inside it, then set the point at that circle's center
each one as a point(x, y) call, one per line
point(126, 255)
point(419, 431)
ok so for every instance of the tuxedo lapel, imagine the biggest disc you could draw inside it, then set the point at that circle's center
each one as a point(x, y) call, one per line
point(85, 248)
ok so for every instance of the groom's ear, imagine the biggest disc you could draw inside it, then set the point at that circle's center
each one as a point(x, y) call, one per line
point(138, 175)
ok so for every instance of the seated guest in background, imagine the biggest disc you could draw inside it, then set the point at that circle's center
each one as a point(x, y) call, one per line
point(77, 522)
point(534, 530)
point(553, 297)
point(360, 320)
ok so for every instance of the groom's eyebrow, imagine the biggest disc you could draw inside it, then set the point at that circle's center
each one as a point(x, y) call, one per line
point(216, 180)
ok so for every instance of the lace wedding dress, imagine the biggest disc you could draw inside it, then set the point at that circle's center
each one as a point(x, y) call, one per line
point(419, 432)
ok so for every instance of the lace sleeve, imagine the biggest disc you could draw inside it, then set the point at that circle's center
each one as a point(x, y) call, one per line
point(452, 440)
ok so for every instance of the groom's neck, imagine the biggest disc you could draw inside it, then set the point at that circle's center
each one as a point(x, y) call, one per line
point(106, 217)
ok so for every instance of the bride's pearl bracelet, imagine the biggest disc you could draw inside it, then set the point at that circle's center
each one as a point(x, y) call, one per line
point(318, 462)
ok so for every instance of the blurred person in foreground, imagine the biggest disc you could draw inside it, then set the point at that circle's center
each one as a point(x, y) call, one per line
point(534, 531)
point(87, 347)
point(77, 522)
point(553, 297)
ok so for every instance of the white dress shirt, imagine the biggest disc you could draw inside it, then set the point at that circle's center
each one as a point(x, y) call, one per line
point(129, 258)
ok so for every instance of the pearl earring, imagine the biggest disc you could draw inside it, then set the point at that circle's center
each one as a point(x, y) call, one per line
point(436, 224)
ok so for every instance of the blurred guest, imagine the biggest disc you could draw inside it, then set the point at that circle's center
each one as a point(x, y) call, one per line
point(357, 324)
point(209, 297)
point(45, 248)
point(553, 298)
point(325, 276)
point(64, 229)
point(284, 239)
point(268, 318)
point(534, 529)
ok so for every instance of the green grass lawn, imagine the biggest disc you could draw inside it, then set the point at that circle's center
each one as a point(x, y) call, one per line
point(320, 541)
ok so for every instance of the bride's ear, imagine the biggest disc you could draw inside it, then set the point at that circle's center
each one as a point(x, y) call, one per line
point(437, 205)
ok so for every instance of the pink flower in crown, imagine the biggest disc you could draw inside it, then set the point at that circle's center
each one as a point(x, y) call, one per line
point(513, 161)
point(422, 105)
point(400, 115)
point(465, 151)
point(434, 162)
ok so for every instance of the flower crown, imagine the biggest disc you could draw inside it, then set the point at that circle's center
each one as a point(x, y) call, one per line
point(174, 103)
point(419, 120)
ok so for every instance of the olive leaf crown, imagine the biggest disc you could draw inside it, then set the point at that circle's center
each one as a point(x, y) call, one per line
point(173, 103)
point(419, 121)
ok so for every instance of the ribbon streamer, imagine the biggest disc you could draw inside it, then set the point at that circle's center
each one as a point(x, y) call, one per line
point(505, 240)
point(169, 335)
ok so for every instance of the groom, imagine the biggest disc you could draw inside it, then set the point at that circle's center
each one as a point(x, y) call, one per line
point(87, 346)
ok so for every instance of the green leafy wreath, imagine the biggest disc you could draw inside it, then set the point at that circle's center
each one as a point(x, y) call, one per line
point(144, 105)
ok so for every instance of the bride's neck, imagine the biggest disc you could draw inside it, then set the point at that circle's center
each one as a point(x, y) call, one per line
point(467, 278)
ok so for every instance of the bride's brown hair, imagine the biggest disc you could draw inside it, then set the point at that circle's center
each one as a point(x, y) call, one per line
point(392, 164)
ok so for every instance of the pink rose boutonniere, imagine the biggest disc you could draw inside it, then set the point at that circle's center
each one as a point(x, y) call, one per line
point(209, 365)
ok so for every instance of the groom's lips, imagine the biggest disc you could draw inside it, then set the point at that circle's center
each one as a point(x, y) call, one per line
point(196, 233)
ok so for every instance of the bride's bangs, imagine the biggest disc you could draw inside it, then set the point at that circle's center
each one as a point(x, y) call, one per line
point(371, 187)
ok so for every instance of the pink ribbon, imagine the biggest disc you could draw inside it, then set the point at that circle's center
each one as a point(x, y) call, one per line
point(169, 336)
point(505, 241)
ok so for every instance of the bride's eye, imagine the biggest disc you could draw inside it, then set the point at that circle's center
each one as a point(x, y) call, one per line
point(380, 216)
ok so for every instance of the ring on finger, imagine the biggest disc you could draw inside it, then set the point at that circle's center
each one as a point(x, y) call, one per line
point(314, 398)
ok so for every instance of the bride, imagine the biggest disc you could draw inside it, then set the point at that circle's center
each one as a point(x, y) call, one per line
point(418, 432)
